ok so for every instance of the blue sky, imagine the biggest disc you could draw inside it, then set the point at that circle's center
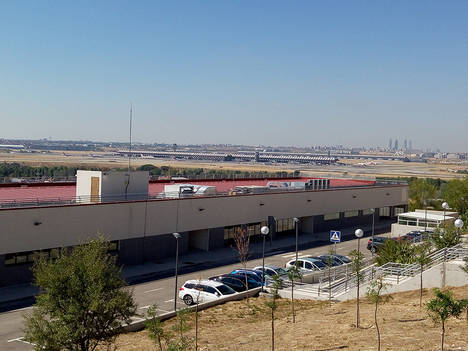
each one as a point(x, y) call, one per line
point(240, 72)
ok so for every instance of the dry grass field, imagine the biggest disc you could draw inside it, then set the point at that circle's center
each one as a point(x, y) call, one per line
point(246, 326)
point(348, 167)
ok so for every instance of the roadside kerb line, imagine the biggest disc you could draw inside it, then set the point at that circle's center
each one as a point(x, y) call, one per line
point(291, 255)
point(152, 290)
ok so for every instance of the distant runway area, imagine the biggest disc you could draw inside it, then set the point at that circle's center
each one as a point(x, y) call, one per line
point(342, 168)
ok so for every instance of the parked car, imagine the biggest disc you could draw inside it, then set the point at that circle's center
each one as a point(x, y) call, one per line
point(334, 261)
point(203, 291)
point(307, 264)
point(271, 270)
point(236, 281)
point(342, 258)
point(254, 274)
point(374, 244)
point(418, 236)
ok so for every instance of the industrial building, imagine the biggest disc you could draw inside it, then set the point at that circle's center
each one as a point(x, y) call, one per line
point(139, 216)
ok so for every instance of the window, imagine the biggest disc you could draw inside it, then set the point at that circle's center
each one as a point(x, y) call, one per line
point(331, 216)
point(308, 265)
point(384, 212)
point(209, 289)
point(398, 210)
point(353, 213)
point(284, 224)
point(32, 256)
point(367, 211)
point(9, 259)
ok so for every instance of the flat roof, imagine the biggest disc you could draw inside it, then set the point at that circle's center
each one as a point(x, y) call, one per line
point(422, 215)
point(21, 192)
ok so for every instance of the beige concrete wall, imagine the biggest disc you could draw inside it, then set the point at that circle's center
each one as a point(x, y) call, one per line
point(41, 228)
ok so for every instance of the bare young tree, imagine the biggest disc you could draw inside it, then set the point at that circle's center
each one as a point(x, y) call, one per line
point(293, 274)
point(155, 326)
point(242, 241)
point(465, 269)
point(272, 304)
point(422, 259)
point(374, 295)
point(357, 263)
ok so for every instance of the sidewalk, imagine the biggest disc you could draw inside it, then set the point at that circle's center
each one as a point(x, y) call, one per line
point(18, 296)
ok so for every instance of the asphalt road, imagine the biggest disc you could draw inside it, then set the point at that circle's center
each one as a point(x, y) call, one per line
point(161, 291)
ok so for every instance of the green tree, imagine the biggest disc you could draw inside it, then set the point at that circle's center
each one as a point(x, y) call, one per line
point(456, 194)
point(442, 307)
point(357, 264)
point(420, 190)
point(445, 236)
point(180, 328)
point(82, 300)
point(155, 326)
point(396, 251)
point(422, 258)
point(293, 274)
point(272, 304)
point(374, 295)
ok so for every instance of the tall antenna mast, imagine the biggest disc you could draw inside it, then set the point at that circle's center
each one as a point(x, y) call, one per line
point(129, 151)
point(130, 137)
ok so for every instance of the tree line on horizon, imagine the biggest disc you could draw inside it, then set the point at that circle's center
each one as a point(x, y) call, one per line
point(17, 170)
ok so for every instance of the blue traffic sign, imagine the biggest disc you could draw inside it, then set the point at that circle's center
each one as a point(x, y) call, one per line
point(335, 236)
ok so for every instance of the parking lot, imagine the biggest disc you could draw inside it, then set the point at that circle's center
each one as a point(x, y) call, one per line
point(161, 291)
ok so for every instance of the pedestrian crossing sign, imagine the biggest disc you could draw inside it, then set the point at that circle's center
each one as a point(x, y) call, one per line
point(335, 236)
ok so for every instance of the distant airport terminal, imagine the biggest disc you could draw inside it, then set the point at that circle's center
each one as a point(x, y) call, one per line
point(139, 216)
point(259, 156)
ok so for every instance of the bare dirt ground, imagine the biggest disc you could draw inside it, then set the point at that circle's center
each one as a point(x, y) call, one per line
point(247, 327)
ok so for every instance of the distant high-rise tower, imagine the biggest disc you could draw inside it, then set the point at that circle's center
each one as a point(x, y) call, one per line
point(410, 145)
point(396, 145)
point(406, 144)
point(390, 144)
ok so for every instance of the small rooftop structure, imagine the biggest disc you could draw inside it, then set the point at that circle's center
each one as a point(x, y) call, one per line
point(98, 186)
point(421, 220)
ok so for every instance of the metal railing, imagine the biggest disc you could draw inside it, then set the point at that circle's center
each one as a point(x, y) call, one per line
point(398, 272)
point(394, 273)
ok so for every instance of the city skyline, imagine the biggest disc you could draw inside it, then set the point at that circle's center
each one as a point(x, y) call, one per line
point(296, 73)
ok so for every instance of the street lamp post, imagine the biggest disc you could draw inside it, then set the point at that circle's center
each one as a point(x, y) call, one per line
point(359, 233)
point(265, 231)
point(296, 223)
point(177, 237)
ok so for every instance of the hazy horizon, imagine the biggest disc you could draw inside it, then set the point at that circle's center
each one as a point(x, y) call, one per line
point(298, 73)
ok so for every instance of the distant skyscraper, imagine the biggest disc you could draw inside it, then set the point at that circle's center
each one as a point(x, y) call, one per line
point(410, 145)
point(390, 144)
point(396, 145)
point(406, 144)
